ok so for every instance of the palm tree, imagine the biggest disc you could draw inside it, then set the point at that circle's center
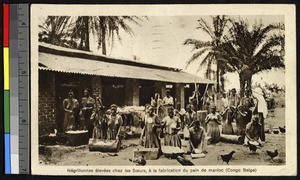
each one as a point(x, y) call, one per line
point(210, 47)
point(108, 29)
point(104, 28)
point(54, 30)
point(251, 51)
point(81, 32)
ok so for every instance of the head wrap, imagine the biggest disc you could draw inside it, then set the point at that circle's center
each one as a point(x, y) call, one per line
point(70, 92)
point(113, 106)
point(188, 106)
point(170, 108)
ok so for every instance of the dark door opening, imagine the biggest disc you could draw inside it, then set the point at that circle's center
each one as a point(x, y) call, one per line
point(113, 92)
point(147, 91)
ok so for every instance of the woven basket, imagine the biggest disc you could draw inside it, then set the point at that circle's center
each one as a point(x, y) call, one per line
point(77, 138)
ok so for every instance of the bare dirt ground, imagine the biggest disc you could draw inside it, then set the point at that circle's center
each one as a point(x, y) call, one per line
point(66, 155)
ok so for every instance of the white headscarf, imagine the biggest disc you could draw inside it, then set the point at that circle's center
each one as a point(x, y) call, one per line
point(262, 105)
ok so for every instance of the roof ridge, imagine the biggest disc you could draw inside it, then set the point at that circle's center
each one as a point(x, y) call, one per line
point(63, 51)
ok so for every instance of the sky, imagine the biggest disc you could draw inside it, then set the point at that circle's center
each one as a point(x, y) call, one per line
point(159, 40)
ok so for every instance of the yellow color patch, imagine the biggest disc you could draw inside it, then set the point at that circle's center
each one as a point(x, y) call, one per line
point(6, 67)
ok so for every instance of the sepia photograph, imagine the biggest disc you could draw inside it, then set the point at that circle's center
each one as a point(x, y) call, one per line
point(138, 90)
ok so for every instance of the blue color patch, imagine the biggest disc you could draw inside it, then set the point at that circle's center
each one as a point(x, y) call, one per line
point(7, 153)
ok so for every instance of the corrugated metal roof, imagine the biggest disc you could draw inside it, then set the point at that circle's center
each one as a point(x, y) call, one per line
point(52, 49)
point(78, 65)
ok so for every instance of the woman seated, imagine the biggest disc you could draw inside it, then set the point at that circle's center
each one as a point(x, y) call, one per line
point(253, 132)
point(197, 138)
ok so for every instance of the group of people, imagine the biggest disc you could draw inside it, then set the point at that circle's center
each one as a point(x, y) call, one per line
point(167, 130)
point(89, 115)
point(164, 123)
point(248, 112)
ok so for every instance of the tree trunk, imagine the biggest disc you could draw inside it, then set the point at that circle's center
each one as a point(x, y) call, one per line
point(87, 33)
point(242, 85)
point(208, 71)
point(222, 80)
point(52, 33)
point(103, 34)
point(218, 62)
point(245, 82)
point(218, 77)
point(249, 82)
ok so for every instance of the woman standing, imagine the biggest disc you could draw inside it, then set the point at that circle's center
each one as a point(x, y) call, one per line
point(248, 104)
point(87, 105)
point(157, 105)
point(213, 120)
point(262, 110)
point(171, 126)
point(227, 114)
point(69, 104)
point(150, 129)
point(208, 101)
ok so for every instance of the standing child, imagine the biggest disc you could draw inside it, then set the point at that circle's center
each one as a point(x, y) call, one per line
point(114, 122)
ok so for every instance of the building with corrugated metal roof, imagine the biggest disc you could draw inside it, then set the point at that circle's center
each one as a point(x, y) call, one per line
point(117, 81)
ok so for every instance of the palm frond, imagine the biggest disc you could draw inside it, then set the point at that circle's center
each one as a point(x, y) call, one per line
point(207, 61)
point(205, 27)
point(135, 19)
point(196, 55)
point(219, 23)
point(269, 62)
point(260, 33)
point(125, 27)
point(209, 57)
point(197, 44)
point(274, 42)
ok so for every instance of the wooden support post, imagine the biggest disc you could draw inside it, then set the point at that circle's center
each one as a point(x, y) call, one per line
point(180, 94)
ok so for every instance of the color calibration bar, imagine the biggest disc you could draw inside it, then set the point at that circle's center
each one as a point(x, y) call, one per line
point(7, 147)
point(16, 88)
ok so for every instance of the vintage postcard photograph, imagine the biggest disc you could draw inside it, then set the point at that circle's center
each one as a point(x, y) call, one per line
point(163, 90)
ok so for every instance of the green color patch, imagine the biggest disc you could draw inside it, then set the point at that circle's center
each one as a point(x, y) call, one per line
point(6, 112)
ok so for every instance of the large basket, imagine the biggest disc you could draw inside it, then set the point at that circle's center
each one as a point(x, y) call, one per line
point(77, 138)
